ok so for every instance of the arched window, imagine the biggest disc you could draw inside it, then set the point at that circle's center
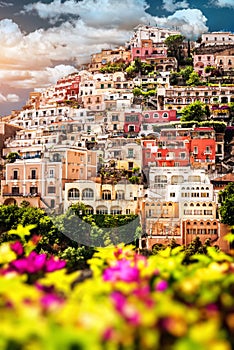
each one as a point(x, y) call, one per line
point(106, 195)
point(156, 115)
point(88, 210)
point(102, 210)
point(87, 193)
point(177, 179)
point(146, 115)
point(119, 195)
point(116, 210)
point(73, 193)
point(165, 115)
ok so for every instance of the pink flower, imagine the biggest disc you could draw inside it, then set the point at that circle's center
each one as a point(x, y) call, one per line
point(17, 248)
point(122, 271)
point(52, 264)
point(161, 286)
point(125, 309)
point(35, 263)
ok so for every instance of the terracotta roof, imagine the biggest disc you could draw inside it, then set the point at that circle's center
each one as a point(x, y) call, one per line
point(226, 178)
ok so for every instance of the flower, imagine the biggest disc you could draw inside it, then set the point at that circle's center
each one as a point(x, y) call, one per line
point(17, 247)
point(125, 309)
point(35, 263)
point(161, 286)
point(121, 271)
point(52, 264)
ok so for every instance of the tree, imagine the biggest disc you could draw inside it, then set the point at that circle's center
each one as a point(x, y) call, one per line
point(195, 111)
point(194, 79)
point(174, 44)
point(226, 197)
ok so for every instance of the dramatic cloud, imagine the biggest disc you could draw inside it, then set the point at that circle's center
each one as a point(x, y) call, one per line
point(101, 14)
point(223, 3)
point(172, 5)
point(190, 22)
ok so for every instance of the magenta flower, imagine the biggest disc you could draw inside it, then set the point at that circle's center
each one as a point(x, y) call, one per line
point(122, 271)
point(17, 247)
point(52, 264)
point(161, 286)
point(35, 263)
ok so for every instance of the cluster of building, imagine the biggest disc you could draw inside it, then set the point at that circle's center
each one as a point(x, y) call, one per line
point(88, 139)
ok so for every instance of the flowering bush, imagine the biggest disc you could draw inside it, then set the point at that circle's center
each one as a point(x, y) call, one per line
point(124, 301)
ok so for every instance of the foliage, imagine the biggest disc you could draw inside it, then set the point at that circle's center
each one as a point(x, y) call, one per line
point(12, 156)
point(156, 302)
point(139, 67)
point(226, 198)
point(174, 44)
point(194, 111)
point(194, 79)
point(113, 67)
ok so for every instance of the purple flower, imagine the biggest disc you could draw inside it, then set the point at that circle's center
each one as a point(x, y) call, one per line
point(17, 248)
point(122, 271)
point(161, 286)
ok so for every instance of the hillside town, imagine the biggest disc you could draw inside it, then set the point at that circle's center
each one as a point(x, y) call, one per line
point(119, 137)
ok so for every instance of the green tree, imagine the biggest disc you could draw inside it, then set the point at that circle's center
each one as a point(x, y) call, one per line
point(194, 79)
point(174, 44)
point(194, 111)
point(226, 198)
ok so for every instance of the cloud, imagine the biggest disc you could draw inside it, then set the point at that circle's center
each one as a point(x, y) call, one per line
point(223, 3)
point(171, 5)
point(125, 14)
point(190, 22)
point(6, 4)
point(9, 98)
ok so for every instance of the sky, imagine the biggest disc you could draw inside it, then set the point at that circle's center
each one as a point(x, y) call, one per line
point(41, 41)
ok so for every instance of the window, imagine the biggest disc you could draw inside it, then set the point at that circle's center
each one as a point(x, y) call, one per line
point(33, 190)
point(195, 150)
point(116, 211)
point(146, 115)
point(15, 174)
point(15, 190)
point(87, 193)
point(120, 195)
point(102, 210)
point(165, 115)
point(182, 155)
point(52, 203)
point(177, 179)
point(51, 189)
point(160, 181)
point(33, 174)
point(115, 118)
point(156, 115)
point(130, 153)
point(73, 193)
point(131, 128)
point(106, 195)
point(172, 194)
